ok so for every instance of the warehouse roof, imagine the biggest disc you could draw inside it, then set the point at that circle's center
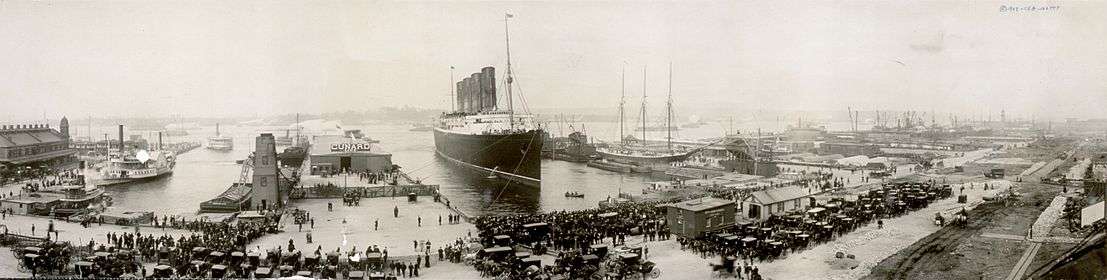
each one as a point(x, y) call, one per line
point(771, 196)
point(701, 204)
point(25, 137)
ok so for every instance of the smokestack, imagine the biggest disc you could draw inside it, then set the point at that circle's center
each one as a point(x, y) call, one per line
point(159, 140)
point(121, 150)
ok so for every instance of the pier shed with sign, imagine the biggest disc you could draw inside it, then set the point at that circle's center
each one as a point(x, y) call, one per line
point(332, 154)
point(694, 217)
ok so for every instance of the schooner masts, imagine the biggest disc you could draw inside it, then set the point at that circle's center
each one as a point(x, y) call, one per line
point(622, 103)
point(507, 41)
point(643, 105)
point(669, 112)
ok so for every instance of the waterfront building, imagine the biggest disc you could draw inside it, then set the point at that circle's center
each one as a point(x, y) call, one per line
point(848, 149)
point(760, 205)
point(35, 147)
point(30, 203)
point(331, 154)
point(694, 217)
point(805, 132)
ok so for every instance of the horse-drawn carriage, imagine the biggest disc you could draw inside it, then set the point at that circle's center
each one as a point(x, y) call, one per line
point(726, 268)
point(957, 219)
point(44, 258)
point(629, 265)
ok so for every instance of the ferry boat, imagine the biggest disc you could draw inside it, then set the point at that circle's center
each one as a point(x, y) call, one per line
point(220, 143)
point(142, 165)
point(125, 167)
point(489, 140)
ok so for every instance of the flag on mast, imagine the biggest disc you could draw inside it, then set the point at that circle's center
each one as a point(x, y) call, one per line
point(509, 15)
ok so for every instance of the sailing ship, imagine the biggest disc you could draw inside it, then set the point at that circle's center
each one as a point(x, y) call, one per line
point(219, 142)
point(484, 138)
point(637, 151)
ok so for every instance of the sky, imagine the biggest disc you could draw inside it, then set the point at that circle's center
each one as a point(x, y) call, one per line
point(248, 58)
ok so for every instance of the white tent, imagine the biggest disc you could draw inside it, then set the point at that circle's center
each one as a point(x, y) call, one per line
point(1091, 214)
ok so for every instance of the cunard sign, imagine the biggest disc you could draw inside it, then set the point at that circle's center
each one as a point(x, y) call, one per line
point(350, 147)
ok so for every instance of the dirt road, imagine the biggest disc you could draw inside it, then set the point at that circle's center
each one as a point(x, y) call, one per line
point(960, 252)
point(934, 250)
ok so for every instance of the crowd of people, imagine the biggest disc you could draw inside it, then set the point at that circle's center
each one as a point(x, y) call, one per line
point(19, 174)
point(43, 180)
point(371, 177)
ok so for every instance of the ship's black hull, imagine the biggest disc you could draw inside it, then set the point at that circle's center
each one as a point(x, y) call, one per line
point(512, 157)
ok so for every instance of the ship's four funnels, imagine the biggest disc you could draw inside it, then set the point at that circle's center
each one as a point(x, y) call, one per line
point(477, 93)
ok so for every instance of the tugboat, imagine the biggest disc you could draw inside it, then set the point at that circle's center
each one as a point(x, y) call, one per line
point(284, 141)
point(484, 138)
point(574, 194)
point(293, 156)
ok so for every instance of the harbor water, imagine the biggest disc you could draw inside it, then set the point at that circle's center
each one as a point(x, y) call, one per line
point(201, 174)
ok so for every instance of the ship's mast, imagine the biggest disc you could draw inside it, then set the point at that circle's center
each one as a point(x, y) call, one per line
point(453, 96)
point(643, 105)
point(507, 41)
point(622, 102)
point(669, 112)
point(757, 151)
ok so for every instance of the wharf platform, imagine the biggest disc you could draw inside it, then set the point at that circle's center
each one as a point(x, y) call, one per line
point(347, 227)
point(337, 186)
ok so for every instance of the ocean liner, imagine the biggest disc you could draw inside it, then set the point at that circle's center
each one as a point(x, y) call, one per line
point(486, 139)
